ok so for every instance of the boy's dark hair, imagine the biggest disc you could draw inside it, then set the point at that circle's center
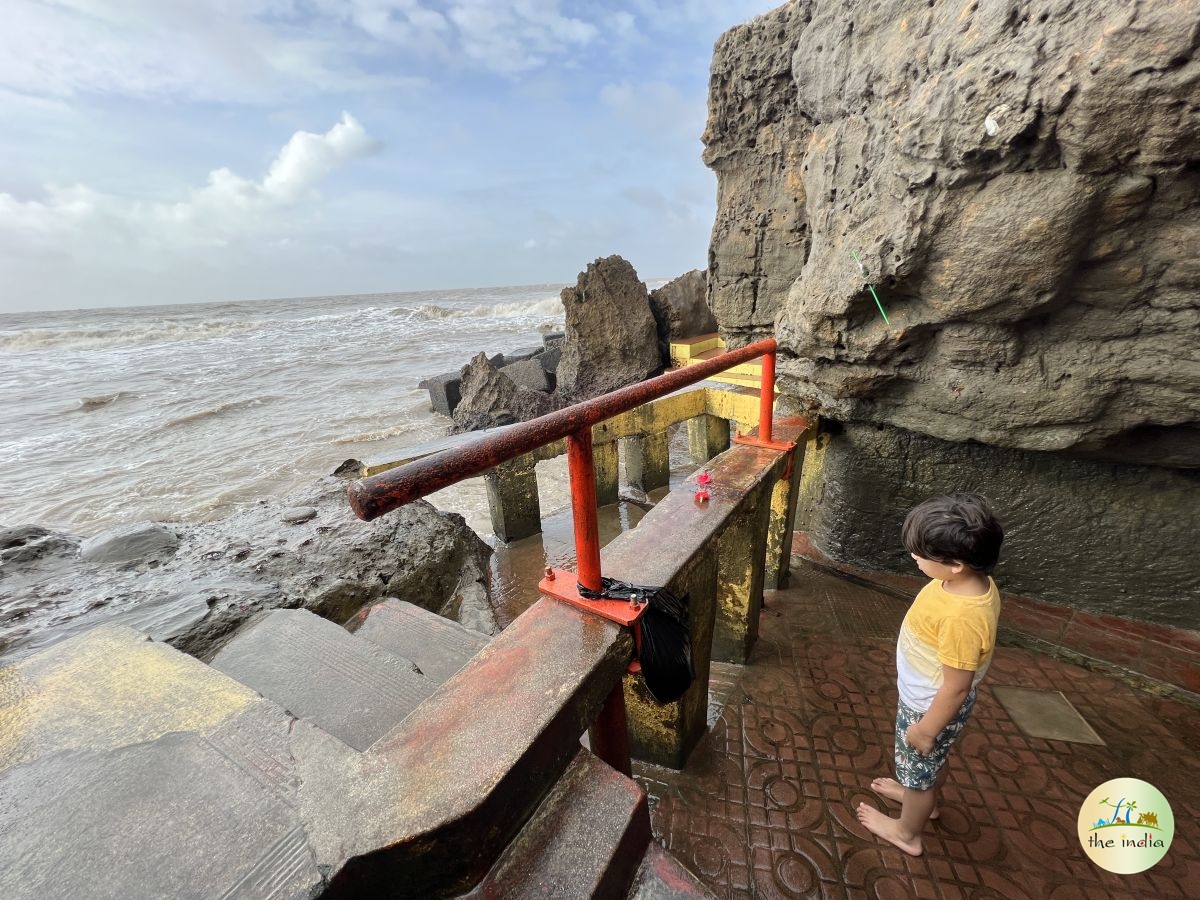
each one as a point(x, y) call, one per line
point(956, 528)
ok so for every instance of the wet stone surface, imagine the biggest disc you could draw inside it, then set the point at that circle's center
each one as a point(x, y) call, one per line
point(765, 806)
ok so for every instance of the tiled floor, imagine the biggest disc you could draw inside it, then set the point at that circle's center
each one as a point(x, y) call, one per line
point(765, 807)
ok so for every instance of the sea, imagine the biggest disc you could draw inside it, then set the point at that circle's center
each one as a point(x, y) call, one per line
point(185, 413)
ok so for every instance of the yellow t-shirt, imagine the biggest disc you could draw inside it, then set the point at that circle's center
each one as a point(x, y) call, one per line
point(944, 629)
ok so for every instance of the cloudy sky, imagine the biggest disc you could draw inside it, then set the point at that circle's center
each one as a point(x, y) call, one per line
point(158, 151)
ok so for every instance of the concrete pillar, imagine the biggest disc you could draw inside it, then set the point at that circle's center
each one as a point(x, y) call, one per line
point(707, 436)
point(740, 564)
point(783, 515)
point(606, 460)
point(648, 461)
point(665, 734)
point(513, 499)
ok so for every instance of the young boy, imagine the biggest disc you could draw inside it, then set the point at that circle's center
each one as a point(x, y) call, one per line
point(944, 650)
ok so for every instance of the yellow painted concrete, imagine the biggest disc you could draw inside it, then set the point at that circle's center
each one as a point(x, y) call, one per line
point(109, 688)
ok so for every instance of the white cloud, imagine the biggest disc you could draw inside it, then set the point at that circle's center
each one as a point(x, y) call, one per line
point(258, 51)
point(117, 230)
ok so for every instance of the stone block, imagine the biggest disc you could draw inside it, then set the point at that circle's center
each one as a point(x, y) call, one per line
point(707, 436)
point(527, 373)
point(513, 499)
point(550, 359)
point(526, 353)
point(350, 688)
point(173, 817)
point(606, 461)
point(648, 461)
point(444, 392)
point(438, 646)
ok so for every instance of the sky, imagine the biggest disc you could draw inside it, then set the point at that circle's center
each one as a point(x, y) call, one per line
point(163, 151)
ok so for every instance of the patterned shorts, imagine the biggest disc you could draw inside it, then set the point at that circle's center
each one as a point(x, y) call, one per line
point(914, 770)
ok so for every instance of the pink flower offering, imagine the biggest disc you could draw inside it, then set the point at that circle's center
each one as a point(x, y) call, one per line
point(703, 478)
point(701, 496)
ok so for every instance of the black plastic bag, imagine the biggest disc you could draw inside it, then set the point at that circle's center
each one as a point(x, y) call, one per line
point(665, 647)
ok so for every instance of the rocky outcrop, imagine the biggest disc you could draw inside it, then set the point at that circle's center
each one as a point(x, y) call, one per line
point(1022, 183)
point(611, 337)
point(680, 310)
point(221, 573)
point(492, 397)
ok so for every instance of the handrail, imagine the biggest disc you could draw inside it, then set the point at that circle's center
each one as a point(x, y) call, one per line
point(375, 495)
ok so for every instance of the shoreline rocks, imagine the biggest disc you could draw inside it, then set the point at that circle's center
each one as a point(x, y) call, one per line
point(616, 334)
point(193, 585)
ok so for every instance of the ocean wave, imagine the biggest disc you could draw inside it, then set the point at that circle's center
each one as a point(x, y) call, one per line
point(382, 434)
point(89, 404)
point(218, 410)
point(551, 306)
point(112, 336)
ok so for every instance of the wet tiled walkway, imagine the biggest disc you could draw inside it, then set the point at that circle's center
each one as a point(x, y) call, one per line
point(765, 807)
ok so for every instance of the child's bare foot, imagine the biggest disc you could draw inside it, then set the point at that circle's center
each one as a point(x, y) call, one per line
point(894, 790)
point(884, 826)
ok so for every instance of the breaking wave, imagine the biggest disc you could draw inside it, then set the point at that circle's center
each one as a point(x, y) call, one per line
point(88, 404)
point(219, 410)
point(550, 307)
point(382, 434)
point(158, 333)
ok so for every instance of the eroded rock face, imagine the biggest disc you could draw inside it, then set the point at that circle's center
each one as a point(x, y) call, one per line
point(680, 309)
point(611, 337)
point(222, 573)
point(1022, 182)
point(491, 398)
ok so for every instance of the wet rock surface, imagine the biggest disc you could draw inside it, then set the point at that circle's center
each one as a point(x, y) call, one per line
point(680, 309)
point(1022, 183)
point(611, 336)
point(224, 572)
point(490, 397)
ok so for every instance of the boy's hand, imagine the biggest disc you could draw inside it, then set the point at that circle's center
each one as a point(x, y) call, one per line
point(919, 740)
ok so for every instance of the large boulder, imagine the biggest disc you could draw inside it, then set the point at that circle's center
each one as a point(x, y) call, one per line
point(491, 398)
point(611, 337)
point(222, 573)
point(1022, 184)
point(680, 309)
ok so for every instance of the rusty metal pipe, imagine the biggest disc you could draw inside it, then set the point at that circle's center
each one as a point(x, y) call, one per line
point(372, 497)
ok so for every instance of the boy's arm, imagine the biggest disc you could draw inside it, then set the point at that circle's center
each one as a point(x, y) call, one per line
point(956, 684)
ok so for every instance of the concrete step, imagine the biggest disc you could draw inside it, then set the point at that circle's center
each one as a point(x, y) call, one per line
point(662, 877)
point(438, 646)
point(585, 840)
point(350, 688)
point(129, 769)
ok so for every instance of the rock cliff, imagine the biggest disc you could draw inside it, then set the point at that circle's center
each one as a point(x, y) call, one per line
point(611, 335)
point(1022, 182)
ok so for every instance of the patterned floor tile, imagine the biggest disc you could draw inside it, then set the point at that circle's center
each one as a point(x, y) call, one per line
point(765, 807)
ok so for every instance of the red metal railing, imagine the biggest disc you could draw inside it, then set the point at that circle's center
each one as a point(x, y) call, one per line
point(378, 494)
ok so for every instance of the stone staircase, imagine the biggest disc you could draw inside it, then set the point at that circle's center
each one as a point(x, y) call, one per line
point(129, 769)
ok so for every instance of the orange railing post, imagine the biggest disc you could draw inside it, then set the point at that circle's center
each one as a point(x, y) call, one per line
point(766, 398)
point(582, 470)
